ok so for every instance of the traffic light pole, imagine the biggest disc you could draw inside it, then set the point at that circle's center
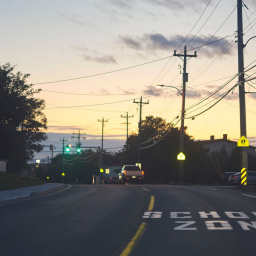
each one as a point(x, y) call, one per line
point(101, 155)
point(63, 165)
point(139, 137)
point(185, 79)
point(244, 153)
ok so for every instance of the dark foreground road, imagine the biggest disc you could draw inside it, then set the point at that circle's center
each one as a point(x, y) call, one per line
point(103, 219)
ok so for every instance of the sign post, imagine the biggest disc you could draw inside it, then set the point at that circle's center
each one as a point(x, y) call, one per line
point(243, 142)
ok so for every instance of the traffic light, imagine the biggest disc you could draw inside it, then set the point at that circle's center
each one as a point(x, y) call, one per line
point(67, 149)
point(78, 150)
point(51, 147)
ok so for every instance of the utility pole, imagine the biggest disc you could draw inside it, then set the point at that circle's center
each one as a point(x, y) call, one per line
point(127, 121)
point(139, 137)
point(244, 154)
point(101, 154)
point(63, 165)
point(78, 138)
point(185, 79)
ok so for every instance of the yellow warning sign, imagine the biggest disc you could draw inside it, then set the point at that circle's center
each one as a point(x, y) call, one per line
point(243, 142)
point(243, 177)
point(101, 170)
point(181, 156)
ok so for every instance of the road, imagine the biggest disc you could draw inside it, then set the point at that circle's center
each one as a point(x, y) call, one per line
point(114, 220)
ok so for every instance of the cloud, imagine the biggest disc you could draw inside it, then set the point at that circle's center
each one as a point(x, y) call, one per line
point(102, 59)
point(192, 94)
point(252, 95)
point(174, 5)
point(154, 42)
point(90, 55)
point(123, 4)
point(132, 43)
point(126, 91)
point(104, 91)
point(64, 128)
point(178, 4)
point(75, 18)
point(153, 90)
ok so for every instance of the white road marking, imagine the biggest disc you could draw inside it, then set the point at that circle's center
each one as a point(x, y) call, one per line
point(152, 215)
point(209, 188)
point(185, 225)
point(254, 213)
point(245, 226)
point(224, 225)
point(249, 195)
point(233, 215)
point(174, 215)
point(205, 215)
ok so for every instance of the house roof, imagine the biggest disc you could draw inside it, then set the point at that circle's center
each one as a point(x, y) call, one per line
point(205, 142)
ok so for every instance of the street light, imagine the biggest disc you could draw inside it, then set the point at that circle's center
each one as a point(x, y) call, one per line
point(179, 91)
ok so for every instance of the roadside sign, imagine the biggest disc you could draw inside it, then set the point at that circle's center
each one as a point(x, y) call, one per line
point(107, 171)
point(243, 177)
point(38, 161)
point(243, 142)
point(101, 170)
point(181, 156)
point(138, 164)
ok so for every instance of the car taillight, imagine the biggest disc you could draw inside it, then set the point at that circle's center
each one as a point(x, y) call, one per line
point(127, 178)
point(235, 176)
point(142, 172)
point(124, 172)
point(140, 178)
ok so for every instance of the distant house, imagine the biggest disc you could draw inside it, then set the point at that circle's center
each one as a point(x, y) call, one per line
point(216, 145)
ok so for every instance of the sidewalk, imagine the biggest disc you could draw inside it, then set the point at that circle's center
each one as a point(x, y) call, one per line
point(30, 191)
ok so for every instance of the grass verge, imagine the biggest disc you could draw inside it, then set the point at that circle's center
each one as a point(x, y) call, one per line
point(11, 181)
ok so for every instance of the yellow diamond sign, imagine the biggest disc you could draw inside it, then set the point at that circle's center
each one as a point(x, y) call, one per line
point(101, 170)
point(181, 156)
point(243, 142)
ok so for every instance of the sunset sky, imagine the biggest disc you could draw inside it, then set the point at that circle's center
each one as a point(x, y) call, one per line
point(56, 40)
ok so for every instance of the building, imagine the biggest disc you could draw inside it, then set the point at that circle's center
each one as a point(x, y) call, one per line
point(217, 144)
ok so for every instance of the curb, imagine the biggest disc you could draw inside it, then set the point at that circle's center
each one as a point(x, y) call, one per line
point(34, 195)
point(48, 191)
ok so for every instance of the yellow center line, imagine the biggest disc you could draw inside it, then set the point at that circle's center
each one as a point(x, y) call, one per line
point(151, 204)
point(146, 189)
point(134, 240)
point(128, 249)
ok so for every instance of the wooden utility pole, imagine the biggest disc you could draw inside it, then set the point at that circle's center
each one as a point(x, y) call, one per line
point(139, 137)
point(127, 122)
point(185, 79)
point(244, 153)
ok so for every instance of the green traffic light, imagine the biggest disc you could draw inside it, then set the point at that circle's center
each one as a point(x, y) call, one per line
point(78, 150)
point(67, 149)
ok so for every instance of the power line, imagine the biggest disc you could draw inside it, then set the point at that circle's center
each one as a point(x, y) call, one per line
point(204, 23)
point(194, 25)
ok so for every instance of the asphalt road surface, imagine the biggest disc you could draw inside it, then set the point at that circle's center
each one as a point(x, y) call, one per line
point(132, 220)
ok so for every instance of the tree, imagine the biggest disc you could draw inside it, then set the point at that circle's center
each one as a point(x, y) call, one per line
point(22, 121)
point(159, 161)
